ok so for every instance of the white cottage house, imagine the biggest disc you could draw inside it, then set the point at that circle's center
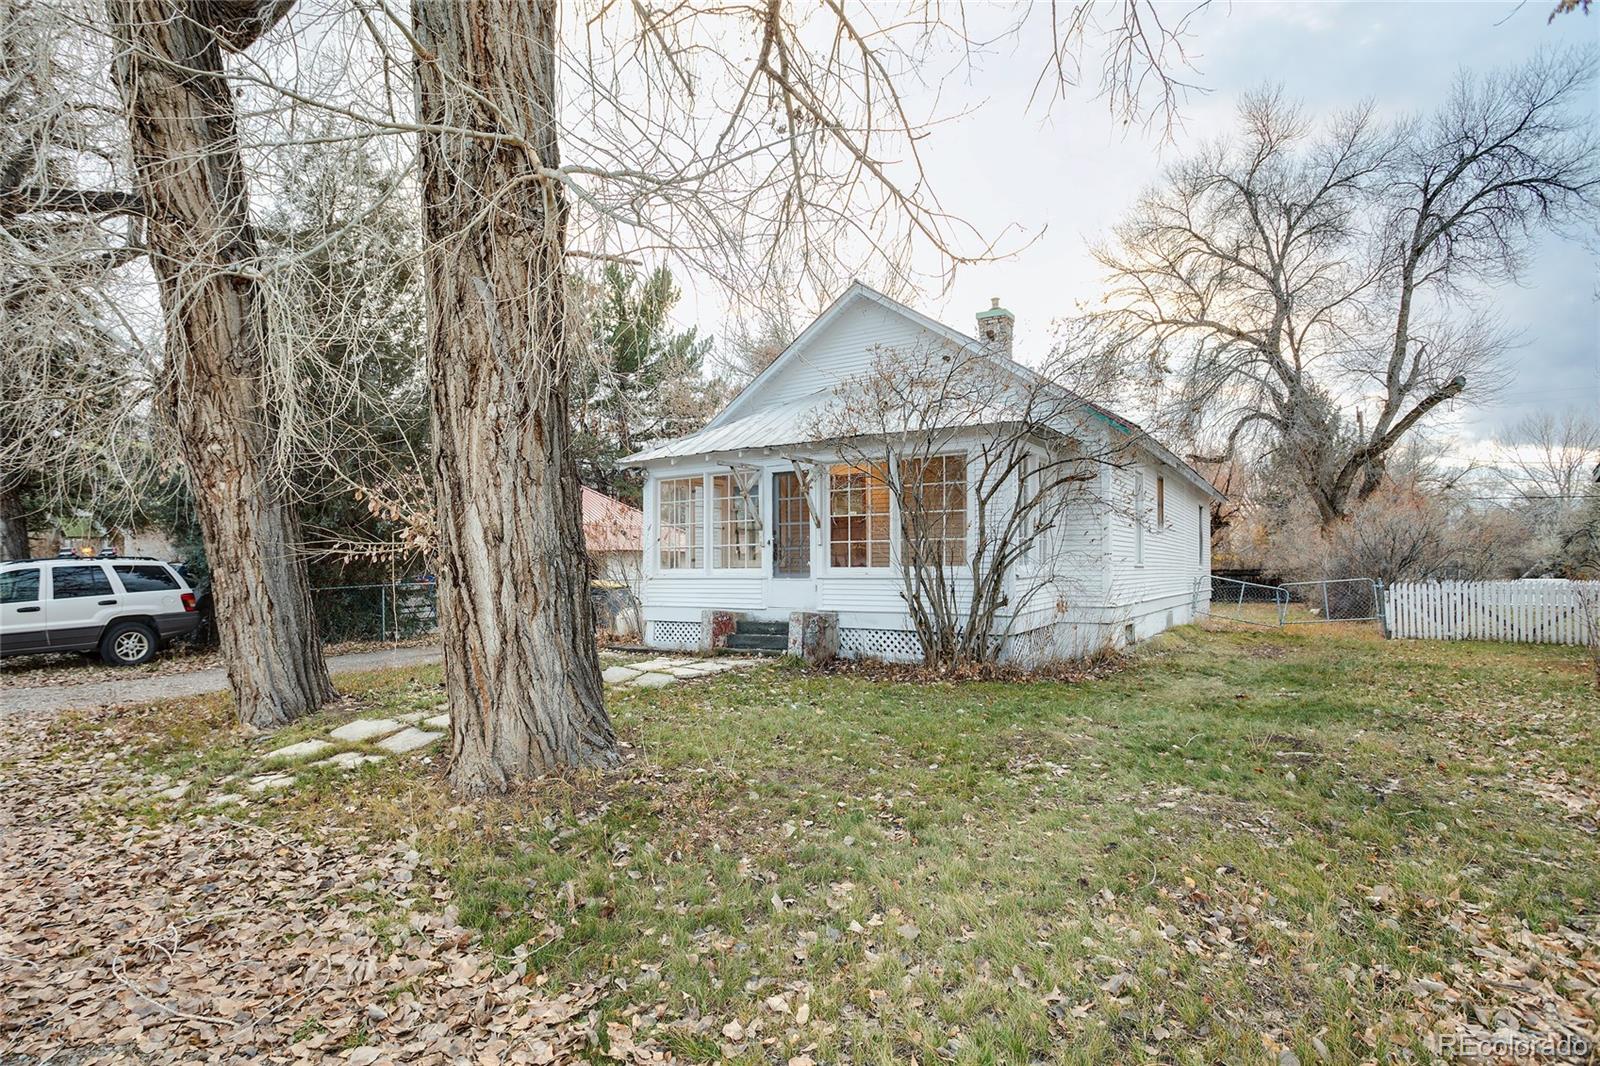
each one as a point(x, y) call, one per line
point(763, 515)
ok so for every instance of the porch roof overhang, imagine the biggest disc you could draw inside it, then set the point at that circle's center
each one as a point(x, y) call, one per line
point(803, 422)
point(788, 424)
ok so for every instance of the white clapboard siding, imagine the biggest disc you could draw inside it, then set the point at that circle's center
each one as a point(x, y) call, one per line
point(1527, 612)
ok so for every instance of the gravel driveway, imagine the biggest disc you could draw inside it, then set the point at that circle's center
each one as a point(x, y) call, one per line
point(44, 699)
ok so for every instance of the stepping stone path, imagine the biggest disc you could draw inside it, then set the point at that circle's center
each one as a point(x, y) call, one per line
point(301, 750)
point(661, 672)
point(408, 740)
point(365, 729)
point(349, 760)
point(374, 740)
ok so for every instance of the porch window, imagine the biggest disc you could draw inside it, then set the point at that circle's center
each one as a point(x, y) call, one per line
point(680, 513)
point(736, 533)
point(935, 511)
point(858, 516)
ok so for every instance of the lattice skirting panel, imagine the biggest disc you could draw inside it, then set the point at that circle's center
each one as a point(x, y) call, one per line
point(890, 645)
point(675, 635)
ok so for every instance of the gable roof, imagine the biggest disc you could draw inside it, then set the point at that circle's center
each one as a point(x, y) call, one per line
point(858, 292)
point(742, 423)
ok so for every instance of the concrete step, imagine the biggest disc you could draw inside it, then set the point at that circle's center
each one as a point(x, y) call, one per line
point(751, 627)
point(758, 642)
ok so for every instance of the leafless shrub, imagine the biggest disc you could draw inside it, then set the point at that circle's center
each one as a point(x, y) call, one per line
point(950, 439)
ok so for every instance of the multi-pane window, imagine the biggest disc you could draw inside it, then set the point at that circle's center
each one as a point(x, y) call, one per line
point(680, 515)
point(736, 531)
point(858, 516)
point(934, 508)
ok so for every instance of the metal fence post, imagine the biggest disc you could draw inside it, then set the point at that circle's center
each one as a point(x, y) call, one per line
point(1383, 615)
point(383, 612)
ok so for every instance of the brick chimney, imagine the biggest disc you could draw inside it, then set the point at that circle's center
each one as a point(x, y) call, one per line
point(994, 328)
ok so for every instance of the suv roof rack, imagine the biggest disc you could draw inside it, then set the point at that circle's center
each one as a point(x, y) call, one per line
point(89, 559)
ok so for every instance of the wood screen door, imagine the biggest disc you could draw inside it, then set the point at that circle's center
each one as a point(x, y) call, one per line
point(791, 527)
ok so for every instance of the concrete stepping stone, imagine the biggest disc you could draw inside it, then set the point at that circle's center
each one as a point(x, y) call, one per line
point(408, 740)
point(652, 680)
point(650, 665)
point(616, 675)
point(262, 782)
point(411, 717)
point(365, 729)
point(176, 792)
point(438, 721)
point(302, 750)
point(223, 798)
point(349, 760)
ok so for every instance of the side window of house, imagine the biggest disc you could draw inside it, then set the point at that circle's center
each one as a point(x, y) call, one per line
point(19, 586)
point(1161, 502)
point(145, 578)
point(76, 582)
point(736, 533)
point(1204, 525)
point(1138, 520)
point(1027, 506)
point(858, 517)
point(680, 515)
point(934, 509)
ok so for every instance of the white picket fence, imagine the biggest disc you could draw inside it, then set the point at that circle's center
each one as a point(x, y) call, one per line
point(1528, 612)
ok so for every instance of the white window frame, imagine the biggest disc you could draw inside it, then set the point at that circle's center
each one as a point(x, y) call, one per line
point(827, 528)
point(714, 521)
point(702, 541)
point(966, 507)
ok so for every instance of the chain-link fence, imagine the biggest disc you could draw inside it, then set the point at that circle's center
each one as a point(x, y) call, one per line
point(1350, 599)
point(376, 612)
point(1242, 601)
point(1345, 599)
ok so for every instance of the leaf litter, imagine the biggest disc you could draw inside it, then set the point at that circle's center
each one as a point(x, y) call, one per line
point(215, 940)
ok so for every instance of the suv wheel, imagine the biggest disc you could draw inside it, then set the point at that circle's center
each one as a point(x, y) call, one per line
point(128, 644)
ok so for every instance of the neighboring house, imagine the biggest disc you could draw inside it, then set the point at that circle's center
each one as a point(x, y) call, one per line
point(763, 512)
point(80, 534)
point(613, 535)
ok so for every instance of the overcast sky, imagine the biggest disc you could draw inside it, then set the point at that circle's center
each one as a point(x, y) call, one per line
point(1073, 171)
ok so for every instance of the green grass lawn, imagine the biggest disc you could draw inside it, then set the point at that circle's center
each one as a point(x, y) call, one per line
point(1241, 844)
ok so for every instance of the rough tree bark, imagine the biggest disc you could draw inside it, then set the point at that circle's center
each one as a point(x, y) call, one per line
point(13, 525)
point(521, 667)
point(202, 247)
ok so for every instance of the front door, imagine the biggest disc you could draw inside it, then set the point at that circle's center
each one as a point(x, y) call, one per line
point(791, 527)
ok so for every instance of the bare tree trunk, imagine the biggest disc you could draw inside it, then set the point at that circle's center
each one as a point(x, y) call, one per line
point(521, 666)
point(203, 248)
point(13, 525)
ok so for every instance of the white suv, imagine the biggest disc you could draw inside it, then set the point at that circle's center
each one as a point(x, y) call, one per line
point(123, 608)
